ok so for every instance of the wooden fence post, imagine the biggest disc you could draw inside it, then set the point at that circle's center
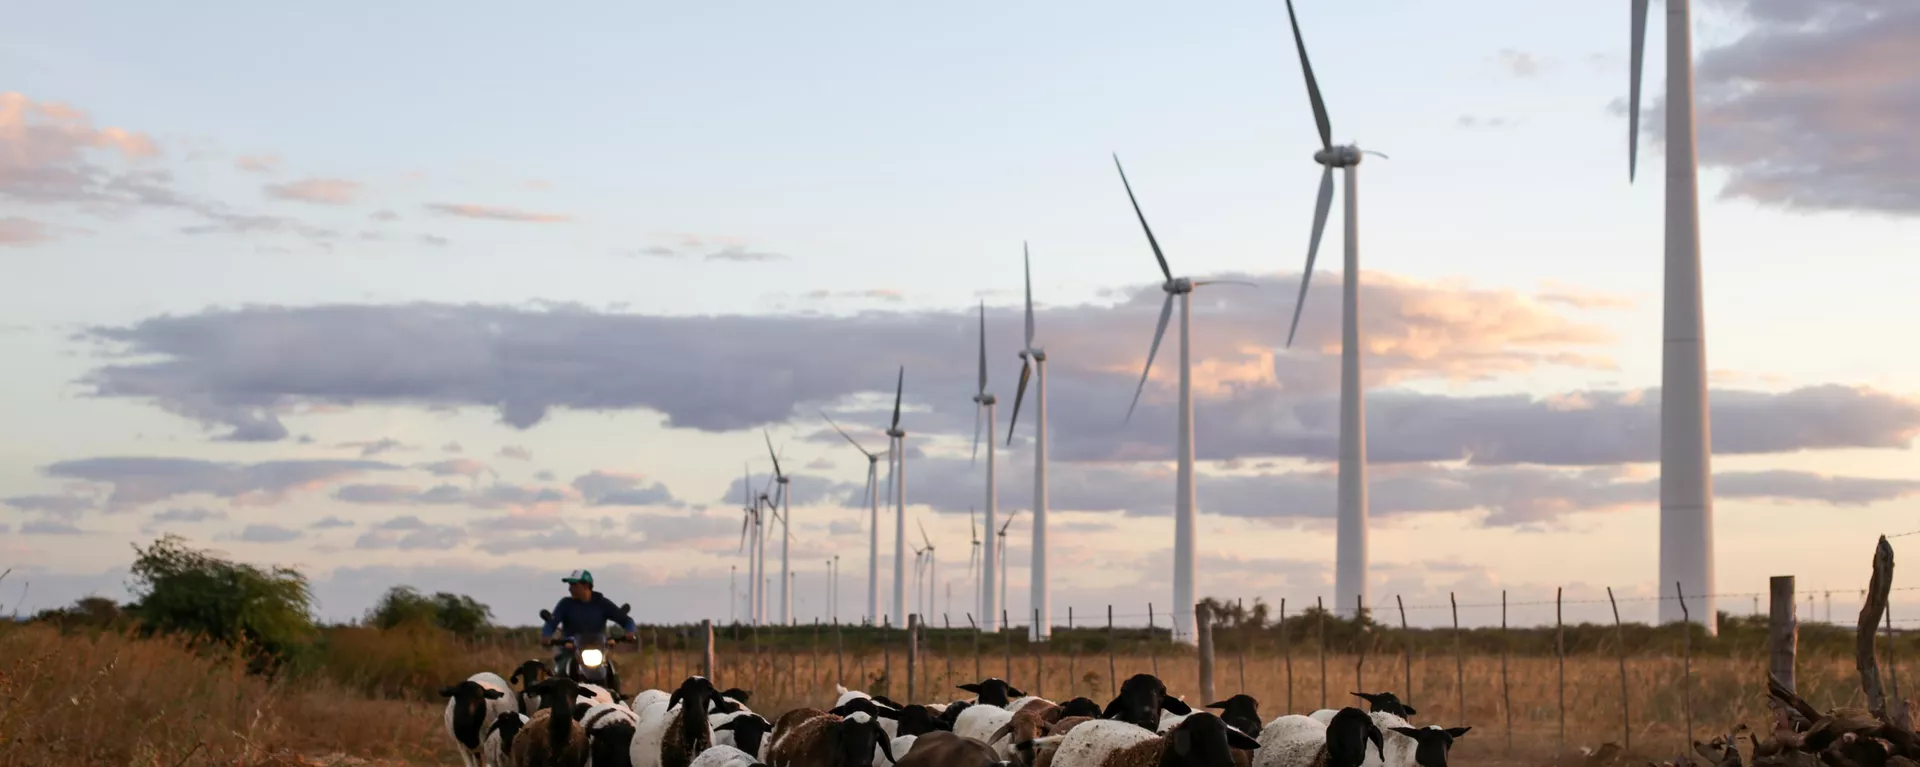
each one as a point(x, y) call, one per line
point(1359, 643)
point(1006, 641)
point(1506, 690)
point(1406, 642)
point(1459, 660)
point(1321, 640)
point(1039, 663)
point(946, 648)
point(1153, 648)
point(1560, 652)
point(1620, 643)
point(1897, 706)
point(839, 654)
point(1241, 630)
point(1783, 630)
point(1203, 627)
point(913, 652)
point(1286, 651)
point(706, 651)
point(1871, 609)
point(886, 654)
point(1686, 676)
point(1072, 685)
point(1113, 678)
point(816, 654)
point(974, 628)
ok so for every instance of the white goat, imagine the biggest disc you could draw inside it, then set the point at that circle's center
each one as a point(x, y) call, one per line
point(471, 706)
point(725, 756)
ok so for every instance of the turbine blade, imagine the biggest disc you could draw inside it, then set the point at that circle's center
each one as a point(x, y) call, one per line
point(898, 387)
point(770, 453)
point(1639, 57)
point(1166, 313)
point(1242, 283)
point(976, 433)
point(1157, 255)
point(867, 489)
point(743, 532)
point(1313, 86)
point(890, 461)
point(1026, 256)
point(1320, 210)
point(983, 347)
point(843, 432)
point(973, 523)
point(922, 524)
point(1026, 368)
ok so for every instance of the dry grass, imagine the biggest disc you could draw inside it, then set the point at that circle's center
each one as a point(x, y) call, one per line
point(115, 699)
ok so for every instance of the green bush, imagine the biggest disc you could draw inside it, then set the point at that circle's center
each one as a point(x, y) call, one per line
point(404, 606)
point(179, 589)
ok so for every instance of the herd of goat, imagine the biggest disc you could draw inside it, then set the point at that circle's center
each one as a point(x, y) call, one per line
point(557, 722)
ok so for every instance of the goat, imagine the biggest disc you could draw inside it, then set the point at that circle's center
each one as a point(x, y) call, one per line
point(610, 728)
point(551, 738)
point(829, 740)
point(527, 674)
point(497, 745)
point(945, 749)
point(471, 705)
point(726, 756)
point(687, 732)
point(1142, 697)
point(745, 730)
point(1300, 741)
point(1431, 744)
point(1242, 712)
point(992, 691)
point(1386, 703)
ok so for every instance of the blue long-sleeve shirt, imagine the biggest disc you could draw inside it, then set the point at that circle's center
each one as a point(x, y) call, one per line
point(589, 617)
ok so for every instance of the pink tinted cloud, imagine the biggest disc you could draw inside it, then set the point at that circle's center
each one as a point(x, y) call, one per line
point(45, 148)
point(496, 213)
point(262, 163)
point(21, 232)
point(319, 191)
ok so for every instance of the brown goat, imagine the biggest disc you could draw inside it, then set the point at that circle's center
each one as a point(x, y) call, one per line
point(1201, 740)
point(829, 740)
point(550, 737)
point(688, 732)
point(945, 749)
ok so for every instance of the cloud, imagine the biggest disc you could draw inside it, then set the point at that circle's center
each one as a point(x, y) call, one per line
point(516, 452)
point(21, 232)
point(139, 481)
point(1576, 298)
point(267, 533)
point(265, 163)
point(518, 498)
point(1490, 123)
point(319, 191)
point(187, 515)
point(451, 447)
point(410, 534)
point(878, 294)
point(434, 240)
point(329, 522)
point(1813, 107)
point(1519, 63)
point(526, 361)
point(601, 488)
point(49, 527)
point(656, 251)
point(819, 464)
point(376, 447)
point(456, 467)
point(494, 213)
point(384, 215)
point(67, 506)
point(742, 254)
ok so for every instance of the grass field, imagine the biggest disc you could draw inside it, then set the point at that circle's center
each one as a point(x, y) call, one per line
point(112, 698)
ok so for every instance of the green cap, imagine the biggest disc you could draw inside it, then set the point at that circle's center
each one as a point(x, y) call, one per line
point(579, 576)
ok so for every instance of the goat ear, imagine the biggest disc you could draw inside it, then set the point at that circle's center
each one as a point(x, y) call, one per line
point(971, 687)
point(673, 700)
point(1366, 697)
point(494, 694)
point(1174, 705)
point(726, 725)
point(1409, 709)
point(1004, 730)
point(1457, 731)
point(1221, 704)
point(1112, 711)
point(1241, 740)
point(448, 692)
point(1407, 731)
point(1015, 692)
point(1379, 740)
point(887, 713)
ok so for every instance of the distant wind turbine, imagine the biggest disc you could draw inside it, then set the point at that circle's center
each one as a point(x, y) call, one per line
point(933, 570)
point(1686, 455)
point(871, 495)
point(786, 535)
point(1002, 535)
point(1350, 566)
point(1183, 516)
point(897, 466)
point(973, 561)
point(988, 607)
point(1032, 359)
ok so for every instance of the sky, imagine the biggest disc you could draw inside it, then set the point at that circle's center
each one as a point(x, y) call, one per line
point(466, 296)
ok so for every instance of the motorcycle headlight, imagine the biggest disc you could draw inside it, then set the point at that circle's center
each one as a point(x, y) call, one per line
point(592, 657)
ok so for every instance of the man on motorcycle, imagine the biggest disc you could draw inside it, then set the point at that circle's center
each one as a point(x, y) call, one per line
point(582, 611)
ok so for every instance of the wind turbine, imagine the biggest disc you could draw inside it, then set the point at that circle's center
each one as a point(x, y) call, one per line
point(1032, 359)
point(871, 494)
point(756, 561)
point(1003, 560)
point(933, 569)
point(1686, 457)
point(767, 501)
point(897, 465)
point(989, 609)
point(1183, 532)
point(786, 535)
point(973, 560)
point(1350, 566)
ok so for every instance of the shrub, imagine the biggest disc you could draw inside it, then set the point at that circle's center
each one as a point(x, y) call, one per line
point(185, 590)
point(404, 606)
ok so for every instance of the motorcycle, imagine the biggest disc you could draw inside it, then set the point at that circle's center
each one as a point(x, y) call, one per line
point(587, 659)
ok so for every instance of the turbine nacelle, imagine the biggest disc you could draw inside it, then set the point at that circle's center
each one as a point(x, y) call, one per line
point(1338, 157)
point(896, 433)
point(985, 399)
point(1177, 285)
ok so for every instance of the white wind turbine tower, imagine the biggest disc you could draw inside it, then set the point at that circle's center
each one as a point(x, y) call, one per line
point(1350, 567)
point(989, 610)
point(872, 495)
point(1032, 359)
point(933, 570)
point(751, 519)
point(897, 465)
point(973, 561)
point(760, 541)
point(786, 535)
point(1184, 587)
point(1686, 463)
point(1002, 535)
